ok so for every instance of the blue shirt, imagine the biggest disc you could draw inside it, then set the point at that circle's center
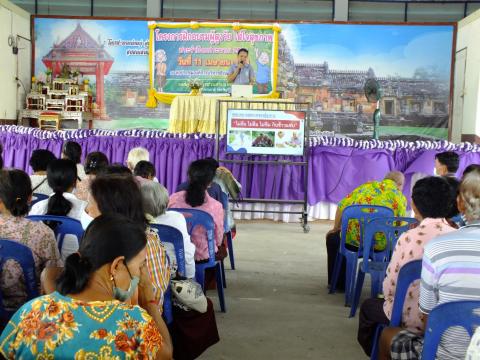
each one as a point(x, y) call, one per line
point(246, 75)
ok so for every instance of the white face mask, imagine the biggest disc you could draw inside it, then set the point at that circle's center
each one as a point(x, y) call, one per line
point(85, 219)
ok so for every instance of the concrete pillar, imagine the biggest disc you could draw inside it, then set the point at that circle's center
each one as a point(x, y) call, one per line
point(341, 10)
point(153, 8)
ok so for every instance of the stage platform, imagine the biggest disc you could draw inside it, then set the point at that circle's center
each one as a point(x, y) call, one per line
point(336, 166)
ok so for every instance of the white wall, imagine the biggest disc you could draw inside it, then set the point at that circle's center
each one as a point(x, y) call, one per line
point(466, 107)
point(13, 21)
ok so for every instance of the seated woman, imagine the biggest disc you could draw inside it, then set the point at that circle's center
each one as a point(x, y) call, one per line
point(196, 196)
point(62, 178)
point(73, 151)
point(144, 170)
point(87, 317)
point(39, 162)
point(155, 202)
point(95, 163)
point(431, 203)
point(120, 194)
point(15, 194)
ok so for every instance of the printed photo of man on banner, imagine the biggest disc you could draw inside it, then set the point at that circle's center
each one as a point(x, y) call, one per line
point(201, 56)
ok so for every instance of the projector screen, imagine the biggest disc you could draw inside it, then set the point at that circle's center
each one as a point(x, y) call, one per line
point(265, 132)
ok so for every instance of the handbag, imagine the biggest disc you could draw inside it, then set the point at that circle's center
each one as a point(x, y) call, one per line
point(188, 293)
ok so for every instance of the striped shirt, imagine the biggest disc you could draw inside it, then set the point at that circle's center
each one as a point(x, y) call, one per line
point(158, 266)
point(451, 272)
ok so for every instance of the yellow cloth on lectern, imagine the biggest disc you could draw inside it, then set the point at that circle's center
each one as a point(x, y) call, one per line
point(191, 114)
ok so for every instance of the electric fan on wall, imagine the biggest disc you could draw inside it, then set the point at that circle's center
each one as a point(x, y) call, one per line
point(373, 93)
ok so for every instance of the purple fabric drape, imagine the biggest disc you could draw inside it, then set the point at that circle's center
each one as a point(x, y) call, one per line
point(336, 166)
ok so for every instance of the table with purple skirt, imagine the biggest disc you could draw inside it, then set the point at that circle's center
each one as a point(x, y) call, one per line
point(336, 165)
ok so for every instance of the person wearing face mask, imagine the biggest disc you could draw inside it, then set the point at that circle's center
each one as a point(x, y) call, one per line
point(120, 194)
point(62, 178)
point(87, 316)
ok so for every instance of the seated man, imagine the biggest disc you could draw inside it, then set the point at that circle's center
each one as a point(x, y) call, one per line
point(446, 163)
point(387, 192)
point(450, 272)
point(431, 203)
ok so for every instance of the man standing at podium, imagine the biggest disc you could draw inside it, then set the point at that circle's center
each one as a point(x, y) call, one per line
point(242, 72)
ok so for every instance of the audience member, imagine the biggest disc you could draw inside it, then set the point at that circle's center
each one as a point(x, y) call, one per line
point(446, 163)
point(454, 217)
point(15, 194)
point(144, 170)
point(431, 202)
point(87, 317)
point(214, 190)
point(39, 162)
point(155, 202)
point(231, 187)
point(136, 155)
point(450, 272)
point(118, 169)
point(470, 168)
point(387, 192)
point(196, 196)
point(120, 194)
point(62, 178)
point(95, 163)
point(73, 151)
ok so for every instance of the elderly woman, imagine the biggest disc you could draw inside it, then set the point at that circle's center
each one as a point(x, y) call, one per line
point(155, 202)
point(88, 316)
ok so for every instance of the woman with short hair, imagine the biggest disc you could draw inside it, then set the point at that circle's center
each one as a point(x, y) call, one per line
point(155, 202)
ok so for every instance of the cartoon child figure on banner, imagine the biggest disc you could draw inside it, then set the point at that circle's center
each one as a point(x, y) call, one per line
point(160, 68)
point(263, 71)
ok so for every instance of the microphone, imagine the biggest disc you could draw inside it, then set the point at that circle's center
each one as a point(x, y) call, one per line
point(240, 69)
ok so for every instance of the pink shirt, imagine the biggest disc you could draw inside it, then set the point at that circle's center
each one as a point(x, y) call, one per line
point(198, 237)
point(410, 247)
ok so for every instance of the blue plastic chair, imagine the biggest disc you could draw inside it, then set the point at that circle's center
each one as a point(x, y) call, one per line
point(194, 218)
point(457, 313)
point(409, 272)
point(36, 197)
point(375, 263)
point(65, 225)
point(174, 236)
point(11, 250)
point(363, 213)
point(228, 231)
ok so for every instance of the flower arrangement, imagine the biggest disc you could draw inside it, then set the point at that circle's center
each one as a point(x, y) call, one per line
point(195, 84)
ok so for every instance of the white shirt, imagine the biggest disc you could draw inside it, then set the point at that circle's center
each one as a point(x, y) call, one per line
point(70, 242)
point(81, 172)
point(42, 189)
point(177, 220)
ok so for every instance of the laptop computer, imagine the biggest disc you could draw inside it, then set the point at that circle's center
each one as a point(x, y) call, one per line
point(239, 91)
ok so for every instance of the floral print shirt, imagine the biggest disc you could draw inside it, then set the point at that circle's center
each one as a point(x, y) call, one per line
point(379, 193)
point(39, 238)
point(410, 247)
point(59, 327)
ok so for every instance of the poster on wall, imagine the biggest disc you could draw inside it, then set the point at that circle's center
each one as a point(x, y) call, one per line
point(266, 132)
point(324, 64)
point(206, 52)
